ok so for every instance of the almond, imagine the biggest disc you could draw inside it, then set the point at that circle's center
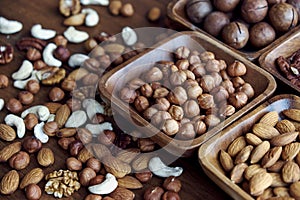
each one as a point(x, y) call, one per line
point(271, 157)
point(236, 175)
point(277, 180)
point(277, 166)
point(129, 182)
point(53, 106)
point(295, 190)
point(10, 182)
point(266, 194)
point(259, 151)
point(122, 194)
point(290, 151)
point(259, 182)
point(140, 163)
point(285, 126)
point(290, 172)
point(128, 155)
point(271, 118)
point(8, 151)
point(62, 115)
point(84, 154)
point(292, 113)
point(32, 177)
point(284, 139)
point(252, 139)
point(226, 161)
point(236, 146)
point(45, 157)
point(243, 155)
point(265, 131)
point(116, 167)
point(252, 170)
point(100, 150)
point(7, 133)
point(281, 192)
point(114, 48)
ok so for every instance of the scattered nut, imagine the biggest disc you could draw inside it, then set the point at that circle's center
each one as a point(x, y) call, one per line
point(154, 14)
point(31, 144)
point(127, 10)
point(25, 97)
point(19, 160)
point(33, 192)
point(3, 81)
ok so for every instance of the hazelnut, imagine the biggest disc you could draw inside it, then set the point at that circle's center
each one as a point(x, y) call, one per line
point(32, 86)
point(237, 68)
point(190, 75)
point(226, 110)
point(107, 137)
point(182, 52)
point(31, 144)
point(90, 79)
point(143, 176)
point(56, 94)
point(261, 34)
point(186, 131)
point(114, 7)
point(97, 180)
point(235, 34)
point(170, 127)
point(162, 104)
point(92, 64)
point(170, 195)
point(73, 164)
point(75, 147)
point(247, 89)
point(51, 128)
point(128, 95)
point(68, 85)
point(172, 184)
point(159, 118)
point(146, 144)
point(94, 164)
point(39, 64)
point(33, 192)
point(154, 14)
point(25, 97)
point(211, 120)
point(200, 127)
point(176, 112)
point(74, 104)
point(30, 121)
point(220, 94)
point(33, 54)
point(226, 5)
point(60, 41)
point(212, 65)
point(217, 77)
point(135, 83)
point(19, 160)
point(191, 109)
point(90, 44)
point(155, 85)
point(214, 22)
point(224, 75)
point(238, 82)
point(254, 11)
point(182, 64)
point(238, 99)
point(98, 118)
point(207, 83)
point(141, 103)
point(146, 90)
point(160, 92)
point(86, 175)
point(14, 106)
point(228, 85)
point(198, 10)
point(206, 56)
point(206, 101)
point(294, 3)
point(178, 95)
point(127, 10)
point(153, 193)
point(178, 78)
point(84, 135)
point(65, 142)
point(154, 74)
point(3, 81)
point(198, 70)
point(149, 112)
point(93, 196)
point(194, 91)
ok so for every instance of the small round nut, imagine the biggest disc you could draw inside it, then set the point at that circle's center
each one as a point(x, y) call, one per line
point(33, 54)
point(94, 164)
point(25, 97)
point(238, 99)
point(19, 160)
point(31, 144)
point(107, 137)
point(247, 89)
point(3, 81)
point(60, 41)
point(146, 90)
point(191, 109)
point(97, 180)
point(237, 68)
point(33, 86)
point(170, 127)
point(14, 106)
point(73, 164)
point(200, 127)
point(154, 14)
point(90, 44)
point(86, 175)
point(51, 128)
point(33, 192)
point(186, 131)
point(93, 197)
point(56, 94)
point(170, 195)
point(62, 53)
point(39, 64)
point(206, 101)
point(144, 176)
point(176, 112)
point(141, 103)
point(115, 7)
point(127, 10)
point(153, 193)
point(75, 147)
point(162, 104)
point(65, 142)
point(30, 121)
point(128, 95)
point(172, 184)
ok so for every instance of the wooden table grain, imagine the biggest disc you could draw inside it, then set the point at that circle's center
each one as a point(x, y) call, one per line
point(196, 185)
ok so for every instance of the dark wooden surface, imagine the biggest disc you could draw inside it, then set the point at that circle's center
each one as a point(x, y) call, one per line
point(196, 185)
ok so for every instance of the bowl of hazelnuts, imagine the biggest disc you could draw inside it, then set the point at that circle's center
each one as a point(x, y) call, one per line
point(248, 27)
point(184, 90)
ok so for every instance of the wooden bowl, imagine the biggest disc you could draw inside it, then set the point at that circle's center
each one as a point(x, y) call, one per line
point(109, 85)
point(176, 11)
point(285, 49)
point(208, 153)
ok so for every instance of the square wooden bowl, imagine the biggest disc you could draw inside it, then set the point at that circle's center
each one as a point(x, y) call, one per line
point(208, 153)
point(176, 11)
point(286, 48)
point(109, 85)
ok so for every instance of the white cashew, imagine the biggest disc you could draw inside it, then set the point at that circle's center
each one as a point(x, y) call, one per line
point(42, 112)
point(24, 71)
point(1, 104)
point(106, 187)
point(22, 83)
point(18, 122)
point(37, 31)
point(51, 118)
point(92, 107)
point(39, 133)
point(95, 2)
point(129, 36)
point(76, 119)
point(157, 167)
point(97, 129)
point(48, 57)
point(75, 36)
point(9, 26)
point(77, 59)
point(92, 17)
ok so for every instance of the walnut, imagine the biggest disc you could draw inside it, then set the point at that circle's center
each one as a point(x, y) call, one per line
point(53, 75)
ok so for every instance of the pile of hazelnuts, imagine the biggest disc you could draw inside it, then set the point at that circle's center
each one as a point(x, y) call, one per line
point(253, 24)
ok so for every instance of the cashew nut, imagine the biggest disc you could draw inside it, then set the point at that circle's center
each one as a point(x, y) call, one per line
point(37, 31)
point(24, 71)
point(39, 133)
point(22, 83)
point(75, 36)
point(1, 104)
point(48, 57)
point(106, 187)
point(18, 122)
point(95, 2)
point(51, 118)
point(77, 59)
point(9, 26)
point(92, 17)
point(41, 111)
point(92, 107)
point(96, 129)
point(129, 36)
point(157, 167)
point(76, 119)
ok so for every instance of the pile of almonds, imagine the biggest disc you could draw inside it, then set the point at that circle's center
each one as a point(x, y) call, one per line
point(265, 161)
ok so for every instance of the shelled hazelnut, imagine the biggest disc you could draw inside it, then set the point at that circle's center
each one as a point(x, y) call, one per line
point(3, 81)
point(25, 97)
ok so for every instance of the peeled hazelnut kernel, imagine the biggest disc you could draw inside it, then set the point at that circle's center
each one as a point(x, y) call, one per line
point(93, 197)
point(207, 83)
point(3, 81)
point(90, 44)
point(178, 95)
point(39, 64)
point(115, 7)
point(211, 120)
point(33, 54)
point(172, 184)
point(153, 193)
point(224, 75)
point(127, 10)
point(194, 91)
point(191, 108)
point(182, 64)
point(178, 78)
point(182, 52)
point(86, 175)
point(73, 164)
point(25, 97)
point(56, 94)
point(217, 77)
point(149, 112)
point(128, 95)
point(200, 127)
point(73, 104)
point(228, 85)
point(31, 144)
point(146, 90)
point(247, 89)
point(162, 104)
point(206, 101)
point(198, 69)
point(186, 131)
point(107, 137)
point(94, 164)
point(62, 53)
point(19, 160)
point(220, 94)
point(30, 121)
point(135, 83)
point(143, 176)
point(51, 128)
point(141, 103)
point(97, 180)
point(154, 14)
point(170, 127)
point(170, 195)
point(14, 106)
point(226, 110)
point(75, 147)
point(33, 86)
point(90, 79)
point(238, 99)
point(60, 41)
point(176, 112)
point(68, 85)
point(212, 65)
point(159, 118)
point(65, 142)
point(154, 74)
point(237, 82)
point(160, 92)
point(237, 68)
point(33, 192)
point(206, 56)
point(155, 85)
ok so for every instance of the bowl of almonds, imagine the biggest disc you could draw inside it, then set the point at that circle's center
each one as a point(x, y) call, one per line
point(184, 90)
point(257, 157)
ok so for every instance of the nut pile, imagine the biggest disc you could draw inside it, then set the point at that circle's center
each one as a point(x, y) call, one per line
point(187, 96)
point(265, 160)
point(244, 24)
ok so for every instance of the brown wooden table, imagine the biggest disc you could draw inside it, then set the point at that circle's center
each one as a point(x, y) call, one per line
point(196, 185)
